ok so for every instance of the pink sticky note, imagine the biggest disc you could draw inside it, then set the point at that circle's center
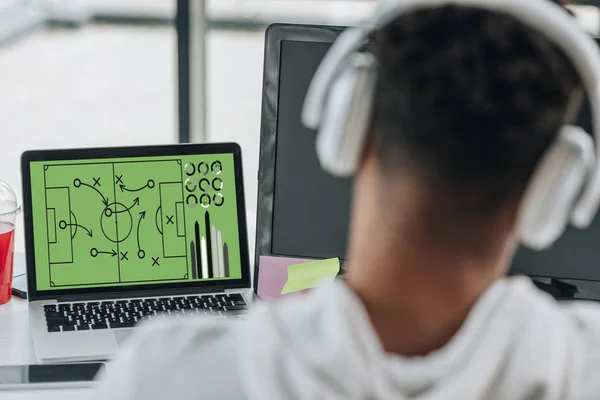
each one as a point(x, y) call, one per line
point(273, 274)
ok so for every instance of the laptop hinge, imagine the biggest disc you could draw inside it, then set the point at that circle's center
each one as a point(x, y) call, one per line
point(139, 293)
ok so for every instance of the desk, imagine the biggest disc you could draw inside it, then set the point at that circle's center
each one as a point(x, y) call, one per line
point(16, 346)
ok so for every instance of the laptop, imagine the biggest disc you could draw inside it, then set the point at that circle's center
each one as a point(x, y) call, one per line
point(118, 235)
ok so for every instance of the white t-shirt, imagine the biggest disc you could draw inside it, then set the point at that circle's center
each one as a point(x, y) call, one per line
point(517, 343)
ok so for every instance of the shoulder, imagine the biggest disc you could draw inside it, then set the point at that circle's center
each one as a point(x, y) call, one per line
point(565, 334)
point(578, 318)
point(178, 358)
point(174, 358)
point(586, 319)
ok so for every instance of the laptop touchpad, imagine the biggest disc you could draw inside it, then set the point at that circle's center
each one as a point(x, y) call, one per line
point(122, 334)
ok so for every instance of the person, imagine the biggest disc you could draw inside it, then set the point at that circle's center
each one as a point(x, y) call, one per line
point(465, 104)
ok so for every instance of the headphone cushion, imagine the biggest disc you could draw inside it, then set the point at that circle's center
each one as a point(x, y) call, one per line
point(346, 117)
point(554, 187)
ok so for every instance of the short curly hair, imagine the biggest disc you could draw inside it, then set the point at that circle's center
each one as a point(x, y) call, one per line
point(469, 98)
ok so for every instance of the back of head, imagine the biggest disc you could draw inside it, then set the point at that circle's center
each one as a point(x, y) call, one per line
point(468, 100)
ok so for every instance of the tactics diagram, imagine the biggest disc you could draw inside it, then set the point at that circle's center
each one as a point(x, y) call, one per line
point(136, 221)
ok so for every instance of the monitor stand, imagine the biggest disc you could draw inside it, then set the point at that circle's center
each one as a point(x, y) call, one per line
point(558, 289)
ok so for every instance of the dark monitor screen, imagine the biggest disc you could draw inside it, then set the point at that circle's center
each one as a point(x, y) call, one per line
point(311, 208)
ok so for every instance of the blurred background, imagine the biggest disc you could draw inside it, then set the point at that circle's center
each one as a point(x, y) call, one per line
point(77, 73)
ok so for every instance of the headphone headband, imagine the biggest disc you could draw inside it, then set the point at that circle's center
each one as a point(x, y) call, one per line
point(541, 15)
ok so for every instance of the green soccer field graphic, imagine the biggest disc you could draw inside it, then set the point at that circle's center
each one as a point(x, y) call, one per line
point(135, 221)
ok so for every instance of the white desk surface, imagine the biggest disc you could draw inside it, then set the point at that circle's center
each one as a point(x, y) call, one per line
point(16, 347)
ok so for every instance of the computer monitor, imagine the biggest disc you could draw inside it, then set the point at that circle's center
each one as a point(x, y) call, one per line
point(304, 212)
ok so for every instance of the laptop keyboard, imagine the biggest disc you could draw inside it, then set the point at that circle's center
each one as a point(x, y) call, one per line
point(83, 316)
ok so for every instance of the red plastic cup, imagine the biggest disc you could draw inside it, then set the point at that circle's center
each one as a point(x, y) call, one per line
point(7, 247)
point(9, 209)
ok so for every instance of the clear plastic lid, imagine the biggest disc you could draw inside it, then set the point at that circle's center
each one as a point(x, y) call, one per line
point(8, 200)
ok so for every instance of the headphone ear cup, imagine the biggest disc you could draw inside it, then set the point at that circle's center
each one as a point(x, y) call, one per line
point(347, 116)
point(554, 187)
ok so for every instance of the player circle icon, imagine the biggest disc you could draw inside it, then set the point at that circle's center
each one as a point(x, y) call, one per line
point(77, 182)
point(191, 201)
point(204, 184)
point(203, 168)
point(151, 183)
point(141, 254)
point(62, 224)
point(217, 184)
point(116, 222)
point(94, 252)
point(218, 199)
point(190, 185)
point(205, 200)
point(216, 167)
point(190, 169)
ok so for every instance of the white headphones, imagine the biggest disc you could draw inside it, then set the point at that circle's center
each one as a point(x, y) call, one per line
point(566, 183)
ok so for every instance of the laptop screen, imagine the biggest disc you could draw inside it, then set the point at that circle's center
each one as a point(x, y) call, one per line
point(104, 222)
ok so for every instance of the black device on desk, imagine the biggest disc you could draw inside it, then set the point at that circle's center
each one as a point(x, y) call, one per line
point(19, 286)
point(304, 212)
point(48, 376)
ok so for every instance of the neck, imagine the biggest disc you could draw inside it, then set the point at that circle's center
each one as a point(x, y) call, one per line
point(416, 282)
point(416, 303)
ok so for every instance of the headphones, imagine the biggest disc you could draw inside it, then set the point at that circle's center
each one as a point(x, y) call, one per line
point(565, 185)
